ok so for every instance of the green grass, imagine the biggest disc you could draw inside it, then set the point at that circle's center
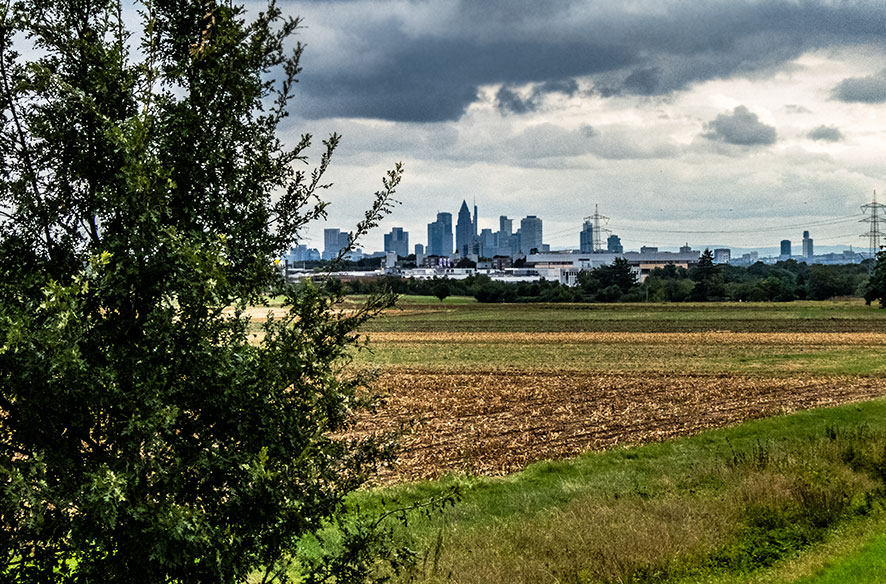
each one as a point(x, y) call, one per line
point(769, 359)
point(865, 566)
point(769, 501)
point(462, 315)
point(720, 505)
point(456, 349)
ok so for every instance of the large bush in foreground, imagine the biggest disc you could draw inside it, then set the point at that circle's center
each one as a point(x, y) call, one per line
point(149, 432)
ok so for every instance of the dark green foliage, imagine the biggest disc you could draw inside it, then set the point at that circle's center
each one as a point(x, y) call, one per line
point(709, 284)
point(441, 290)
point(780, 282)
point(146, 434)
point(608, 283)
point(818, 495)
point(876, 287)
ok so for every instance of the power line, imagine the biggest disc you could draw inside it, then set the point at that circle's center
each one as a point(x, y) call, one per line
point(598, 240)
point(874, 234)
point(627, 229)
point(837, 221)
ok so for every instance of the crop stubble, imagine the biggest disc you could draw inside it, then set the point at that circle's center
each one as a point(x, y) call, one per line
point(498, 422)
point(502, 418)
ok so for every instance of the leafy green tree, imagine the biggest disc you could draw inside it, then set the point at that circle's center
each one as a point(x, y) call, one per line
point(618, 274)
point(441, 290)
point(876, 287)
point(709, 283)
point(149, 431)
point(829, 281)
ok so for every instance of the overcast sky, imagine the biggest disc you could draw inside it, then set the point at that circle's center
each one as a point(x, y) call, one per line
point(723, 122)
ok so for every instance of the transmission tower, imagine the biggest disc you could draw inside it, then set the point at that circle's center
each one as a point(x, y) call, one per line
point(598, 231)
point(874, 235)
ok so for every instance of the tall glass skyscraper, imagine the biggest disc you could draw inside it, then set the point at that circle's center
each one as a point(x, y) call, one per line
point(530, 234)
point(464, 230)
point(440, 235)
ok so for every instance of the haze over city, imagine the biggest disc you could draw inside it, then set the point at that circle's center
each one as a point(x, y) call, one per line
point(716, 123)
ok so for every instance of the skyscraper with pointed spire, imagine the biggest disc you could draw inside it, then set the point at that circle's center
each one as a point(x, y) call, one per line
point(464, 230)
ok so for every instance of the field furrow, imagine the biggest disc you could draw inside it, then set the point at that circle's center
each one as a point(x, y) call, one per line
point(496, 422)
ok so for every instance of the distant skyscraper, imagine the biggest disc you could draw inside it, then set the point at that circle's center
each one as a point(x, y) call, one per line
point(613, 244)
point(785, 248)
point(807, 245)
point(586, 238)
point(440, 235)
point(722, 255)
point(686, 248)
point(419, 249)
point(487, 243)
point(530, 234)
point(504, 237)
point(397, 241)
point(464, 230)
point(333, 242)
point(474, 222)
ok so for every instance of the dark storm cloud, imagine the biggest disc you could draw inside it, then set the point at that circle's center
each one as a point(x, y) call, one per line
point(406, 68)
point(870, 89)
point(826, 134)
point(742, 128)
point(508, 101)
point(643, 81)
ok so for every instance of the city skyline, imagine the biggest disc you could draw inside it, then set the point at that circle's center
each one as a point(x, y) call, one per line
point(443, 227)
point(673, 116)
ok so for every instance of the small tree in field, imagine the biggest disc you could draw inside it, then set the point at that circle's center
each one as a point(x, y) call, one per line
point(441, 291)
point(149, 431)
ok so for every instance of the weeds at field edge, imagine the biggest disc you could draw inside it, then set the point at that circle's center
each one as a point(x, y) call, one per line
point(736, 513)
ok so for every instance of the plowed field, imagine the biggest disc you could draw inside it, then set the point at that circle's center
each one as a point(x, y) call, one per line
point(489, 389)
point(498, 422)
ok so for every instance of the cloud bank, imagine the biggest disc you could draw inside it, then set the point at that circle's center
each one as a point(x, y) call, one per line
point(742, 128)
point(424, 61)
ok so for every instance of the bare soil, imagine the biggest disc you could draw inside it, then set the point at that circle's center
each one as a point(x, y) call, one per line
point(498, 422)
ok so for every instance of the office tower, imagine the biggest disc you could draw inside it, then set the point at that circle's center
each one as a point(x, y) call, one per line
point(397, 241)
point(613, 244)
point(785, 248)
point(440, 235)
point(419, 249)
point(435, 238)
point(530, 234)
point(487, 243)
point(505, 225)
point(330, 243)
point(722, 255)
point(807, 245)
point(334, 240)
point(475, 220)
point(515, 244)
point(464, 230)
point(686, 248)
point(586, 238)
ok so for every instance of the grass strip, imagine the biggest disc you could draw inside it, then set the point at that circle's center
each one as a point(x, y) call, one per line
point(723, 504)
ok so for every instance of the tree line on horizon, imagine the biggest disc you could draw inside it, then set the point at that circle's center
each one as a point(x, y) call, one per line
point(705, 282)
